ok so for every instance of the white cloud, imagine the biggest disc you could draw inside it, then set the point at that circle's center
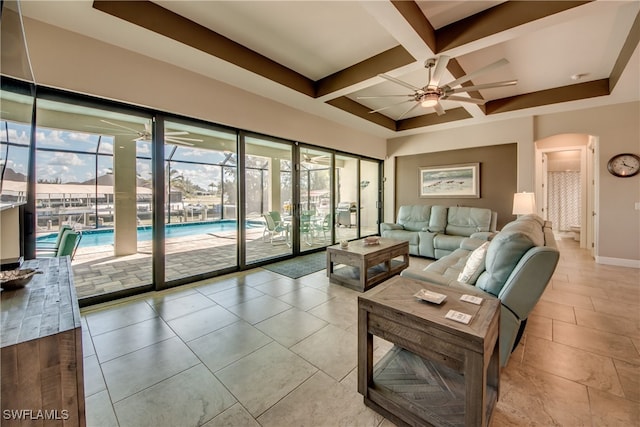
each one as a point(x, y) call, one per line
point(19, 138)
point(51, 138)
point(66, 159)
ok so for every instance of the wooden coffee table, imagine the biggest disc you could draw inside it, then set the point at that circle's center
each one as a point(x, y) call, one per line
point(440, 372)
point(364, 266)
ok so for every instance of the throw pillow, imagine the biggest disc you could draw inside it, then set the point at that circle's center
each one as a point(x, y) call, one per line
point(474, 266)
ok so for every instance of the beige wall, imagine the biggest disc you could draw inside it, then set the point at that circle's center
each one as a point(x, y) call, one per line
point(10, 233)
point(616, 127)
point(519, 131)
point(497, 178)
point(77, 63)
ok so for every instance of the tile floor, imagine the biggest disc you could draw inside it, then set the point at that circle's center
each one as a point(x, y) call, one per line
point(260, 349)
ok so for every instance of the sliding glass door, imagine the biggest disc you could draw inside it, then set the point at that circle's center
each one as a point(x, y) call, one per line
point(370, 197)
point(268, 191)
point(93, 174)
point(314, 189)
point(201, 194)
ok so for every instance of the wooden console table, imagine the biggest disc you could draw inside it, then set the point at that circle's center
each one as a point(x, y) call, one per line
point(441, 372)
point(41, 337)
point(366, 265)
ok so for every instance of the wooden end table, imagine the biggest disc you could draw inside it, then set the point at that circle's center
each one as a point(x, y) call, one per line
point(440, 372)
point(366, 265)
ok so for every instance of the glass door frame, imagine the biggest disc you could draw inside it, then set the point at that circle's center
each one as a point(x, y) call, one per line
point(297, 194)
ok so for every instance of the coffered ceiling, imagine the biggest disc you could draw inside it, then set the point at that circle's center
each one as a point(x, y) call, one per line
point(325, 57)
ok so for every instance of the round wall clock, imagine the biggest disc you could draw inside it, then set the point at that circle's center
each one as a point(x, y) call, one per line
point(624, 165)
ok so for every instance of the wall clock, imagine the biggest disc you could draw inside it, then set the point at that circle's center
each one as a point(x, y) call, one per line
point(624, 165)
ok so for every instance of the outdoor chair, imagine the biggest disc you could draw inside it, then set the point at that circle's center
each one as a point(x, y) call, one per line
point(305, 228)
point(276, 230)
point(69, 243)
point(323, 227)
point(52, 248)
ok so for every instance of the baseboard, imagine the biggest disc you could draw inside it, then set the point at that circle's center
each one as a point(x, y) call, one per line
point(620, 262)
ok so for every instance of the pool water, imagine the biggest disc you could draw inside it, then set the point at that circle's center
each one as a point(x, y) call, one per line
point(105, 236)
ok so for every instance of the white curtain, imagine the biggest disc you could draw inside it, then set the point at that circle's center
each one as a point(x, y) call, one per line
point(564, 199)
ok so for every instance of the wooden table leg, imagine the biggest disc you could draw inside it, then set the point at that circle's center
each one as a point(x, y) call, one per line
point(365, 353)
point(476, 396)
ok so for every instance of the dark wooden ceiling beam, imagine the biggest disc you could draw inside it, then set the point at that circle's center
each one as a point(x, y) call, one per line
point(626, 52)
point(411, 12)
point(499, 18)
point(383, 62)
point(549, 96)
point(357, 109)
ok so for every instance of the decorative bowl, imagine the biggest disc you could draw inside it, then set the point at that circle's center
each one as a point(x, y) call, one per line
point(14, 279)
point(372, 240)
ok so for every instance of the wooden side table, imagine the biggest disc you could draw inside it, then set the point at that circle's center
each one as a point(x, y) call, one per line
point(441, 372)
point(366, 265)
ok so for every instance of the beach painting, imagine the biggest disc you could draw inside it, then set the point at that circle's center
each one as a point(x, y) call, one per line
point(450, 181)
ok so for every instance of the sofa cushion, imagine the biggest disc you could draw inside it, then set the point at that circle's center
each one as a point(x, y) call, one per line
point(474, 265)
point(438, 219)
point(504, 252)
point(414, 217)
point(532, 217)
point(451, 265)
point(530, 227)
point(464, 221)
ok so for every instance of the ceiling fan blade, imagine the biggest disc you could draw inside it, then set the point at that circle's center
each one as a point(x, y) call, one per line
point(483, 86)
point(464, 99)
point(383, 96)
point(476, 73)
point(182, 138)
point(388, 106)
point(439, 109)
point(439, 69)
point(408, 111)
point(400, 82)
point(120, 126)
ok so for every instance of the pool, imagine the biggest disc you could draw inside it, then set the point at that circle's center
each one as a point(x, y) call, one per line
point(101, 237)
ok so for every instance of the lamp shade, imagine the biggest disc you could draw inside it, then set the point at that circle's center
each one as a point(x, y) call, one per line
point(524, 203)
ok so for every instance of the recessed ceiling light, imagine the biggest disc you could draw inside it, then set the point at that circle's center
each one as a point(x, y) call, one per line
point(579, 76)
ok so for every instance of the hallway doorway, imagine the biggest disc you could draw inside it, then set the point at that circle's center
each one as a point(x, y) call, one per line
point(566, 183)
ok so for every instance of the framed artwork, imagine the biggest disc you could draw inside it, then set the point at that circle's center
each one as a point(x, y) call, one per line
point(461, 180)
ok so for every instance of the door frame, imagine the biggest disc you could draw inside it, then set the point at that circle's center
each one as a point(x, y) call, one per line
point(588, 174)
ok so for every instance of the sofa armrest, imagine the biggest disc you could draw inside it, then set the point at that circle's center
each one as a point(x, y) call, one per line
point(484, 235)
point(390, 226)
point(426, 276)
point(528, 280)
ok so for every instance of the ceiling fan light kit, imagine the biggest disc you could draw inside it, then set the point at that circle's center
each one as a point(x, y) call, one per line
point(429, 99)
point(431, 94)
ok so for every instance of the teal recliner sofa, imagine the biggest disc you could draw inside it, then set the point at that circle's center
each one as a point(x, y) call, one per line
point(516, 266)
point(434, 231)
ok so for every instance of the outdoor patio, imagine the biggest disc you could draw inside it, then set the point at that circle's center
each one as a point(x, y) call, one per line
point(97, 271)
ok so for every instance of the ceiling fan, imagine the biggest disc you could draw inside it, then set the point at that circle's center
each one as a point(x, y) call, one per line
point(431, 94)
point(314, 159)
point(169, 137)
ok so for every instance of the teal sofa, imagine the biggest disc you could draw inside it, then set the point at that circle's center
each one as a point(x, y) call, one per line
point(516, 268)
point(434, 231)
